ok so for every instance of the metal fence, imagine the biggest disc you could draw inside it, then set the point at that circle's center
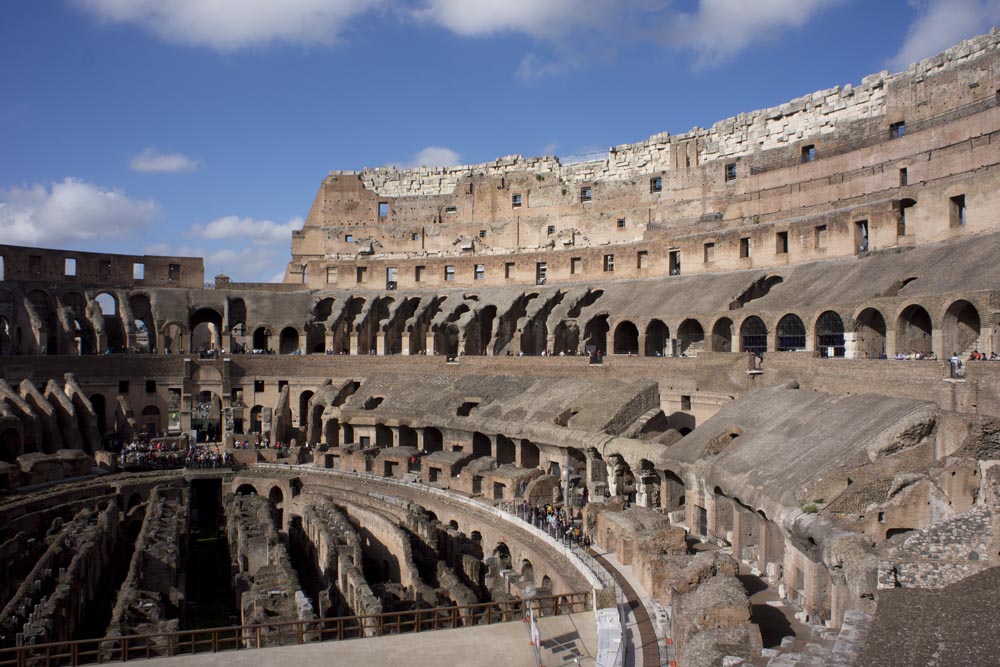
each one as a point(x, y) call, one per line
point(286, 633)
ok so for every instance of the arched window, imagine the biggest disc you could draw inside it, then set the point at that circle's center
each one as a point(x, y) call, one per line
point(791, 333)
point(830, 334)
point(753, 335)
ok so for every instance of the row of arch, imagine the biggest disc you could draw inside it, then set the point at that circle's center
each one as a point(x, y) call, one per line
point(960, 330)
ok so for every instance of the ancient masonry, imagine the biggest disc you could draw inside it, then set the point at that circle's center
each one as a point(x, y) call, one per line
point(751, 362)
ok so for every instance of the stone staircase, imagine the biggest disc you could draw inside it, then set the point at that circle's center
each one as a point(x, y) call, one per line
point(825, 648)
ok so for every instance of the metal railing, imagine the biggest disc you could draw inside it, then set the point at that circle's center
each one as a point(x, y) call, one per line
point(285, 633)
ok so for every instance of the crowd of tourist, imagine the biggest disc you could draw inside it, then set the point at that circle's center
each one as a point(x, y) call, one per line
point(143, 454)
point(555, 521)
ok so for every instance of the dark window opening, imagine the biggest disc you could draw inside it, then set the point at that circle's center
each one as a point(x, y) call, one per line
point(753, 335)
point(541, 273)
point(861, 235)
point(609, 263)
point(123, 386)
point(383, 209)
point(35, 265)
point(686, 403)
point(781, 243)
point(360, 274)
point(819, 236)
point(508, 270)
point(150, 386)
point(174, 273)
point(730, 172)
point(957, 211)
point(575, 265)
point(414, 236)
point(550, 230)
point(480, 272)
point(586, 194)
point(808, 153)
point(675, 262)
point(258, 386)
point(449, 273)
point(709, 252)
point(515, 201)
point(745, 246)
point(282, 384)
point(641, 259)
point(482, 233)
point(897, 130)
point(621, 223)
point(418, 273)
point(467, 407)
point(904, 177)
point(656, 184)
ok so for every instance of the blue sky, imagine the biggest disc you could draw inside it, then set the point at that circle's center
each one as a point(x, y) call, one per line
point(205, 126)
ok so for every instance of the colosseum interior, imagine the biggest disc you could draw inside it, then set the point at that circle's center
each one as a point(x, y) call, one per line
point(747, 369)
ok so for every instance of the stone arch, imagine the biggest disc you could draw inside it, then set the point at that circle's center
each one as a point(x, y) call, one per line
point(481, 445)
point(914, 330)
point(791, 334)
point(256, 418)
point(151, 420)
point(288, 341)
point(626, 339)
point(145, 325)
point(506, 451)
point(657, 338)
point(383, 436)
point(690, 337)
point(173, 336)
point(567, 338)
point(595, 333)
point(753, 335)
point(246, 489)
point(304, 399)
point(722, 335)
point(830, 334)
point(534, 337)
point(205, 325)
point(870, 332)
point(529, 454)
point(114, 327)
point(961, 328)
point(433, 440)
point(446, 341)
point(261, 340)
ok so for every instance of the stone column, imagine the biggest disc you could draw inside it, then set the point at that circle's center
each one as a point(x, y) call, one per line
point(328, 338)
point(380, 344)
point(430, 343)
point(406, 344)
point(354, 343)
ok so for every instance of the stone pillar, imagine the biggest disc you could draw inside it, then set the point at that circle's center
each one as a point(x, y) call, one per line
point(406, 344)
point(851, 350)
point(328, 338)
point(642, 344)
point(354, 343)
point(430, 343)
point(890, 343)
point(737, 524)
point(380, 344)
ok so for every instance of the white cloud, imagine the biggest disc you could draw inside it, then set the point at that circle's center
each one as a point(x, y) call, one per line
point(228, 25)
point(943, 23)
point(235, 227)
point(71, 210)
point(435, 156)
point(532, 67)
point(720, 29)
point(486, 17)
point(151, 161)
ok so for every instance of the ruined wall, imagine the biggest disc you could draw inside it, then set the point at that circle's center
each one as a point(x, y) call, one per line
point(809, 169)
point(151, 599)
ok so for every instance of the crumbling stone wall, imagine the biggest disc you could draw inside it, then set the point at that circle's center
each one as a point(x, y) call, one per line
point(266, 583)
point(51, 601)
point(151, 599)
